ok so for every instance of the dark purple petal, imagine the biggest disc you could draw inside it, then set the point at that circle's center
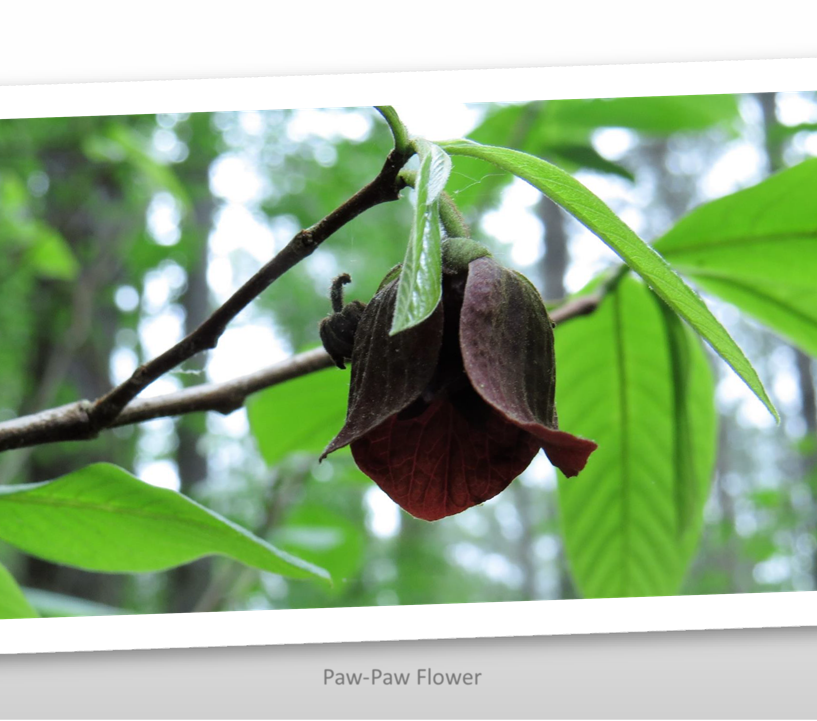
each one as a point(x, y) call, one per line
point(507, 348)
point(443, 461)
point(388, 372)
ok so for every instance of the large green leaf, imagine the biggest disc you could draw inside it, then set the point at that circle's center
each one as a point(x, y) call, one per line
point(591, 211)
point(636, 380)
point(420, 286)
point(101, 518)
point(757, 248)
point(13, 604)
point(303, 414)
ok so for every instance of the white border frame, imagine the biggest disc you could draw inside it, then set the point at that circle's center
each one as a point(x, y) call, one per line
point(253, 628)
point(471, 86)
point(409, 623)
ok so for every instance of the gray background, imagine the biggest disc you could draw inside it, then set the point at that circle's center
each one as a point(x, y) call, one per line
point(762, 673)
point(726, 674)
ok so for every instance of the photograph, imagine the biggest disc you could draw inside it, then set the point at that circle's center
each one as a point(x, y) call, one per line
point(408, 355)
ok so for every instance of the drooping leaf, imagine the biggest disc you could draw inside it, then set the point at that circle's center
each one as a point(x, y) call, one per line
point(591, 211)
point(420, 286)
point(13, 603)
point(637, 381)
point(101, 518)
point(757, 249)
point(301, 415)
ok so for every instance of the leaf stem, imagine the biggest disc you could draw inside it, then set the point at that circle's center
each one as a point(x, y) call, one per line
point(402, 140)
point(453, 220)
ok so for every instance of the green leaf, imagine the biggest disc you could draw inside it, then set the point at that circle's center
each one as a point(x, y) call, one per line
point(637, 381)
point(303, 414)
point(101, 518)
point(757, 249)
point(588, 209)
point(420, 285)
point(13, 604)
point(687, 486)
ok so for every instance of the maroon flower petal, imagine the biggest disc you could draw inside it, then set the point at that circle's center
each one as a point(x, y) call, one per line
point(507, 348)
point(388, 372)
point(441, 462)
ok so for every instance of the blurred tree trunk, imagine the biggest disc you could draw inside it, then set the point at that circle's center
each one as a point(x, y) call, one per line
point(525, 550)
point(187, 583)
point(808, 403)
point(556, 258)
point(805, 372)
point(554, 269)
point(74, 351)
point(803, 362)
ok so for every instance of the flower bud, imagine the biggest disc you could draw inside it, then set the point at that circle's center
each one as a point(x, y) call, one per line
point(444, 415)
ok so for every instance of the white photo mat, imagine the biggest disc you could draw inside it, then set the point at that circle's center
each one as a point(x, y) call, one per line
point(409, 622)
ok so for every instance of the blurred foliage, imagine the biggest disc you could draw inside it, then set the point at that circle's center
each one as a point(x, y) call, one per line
point(561, 131)
point(121, 233)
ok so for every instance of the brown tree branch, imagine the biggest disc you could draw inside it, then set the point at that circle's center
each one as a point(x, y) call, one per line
point(384, 188)
point(72, 422)
point(575, 308)
point(226, 397)
point(84, 420)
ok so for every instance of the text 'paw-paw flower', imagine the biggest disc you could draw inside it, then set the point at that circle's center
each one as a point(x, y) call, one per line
point(444, 415)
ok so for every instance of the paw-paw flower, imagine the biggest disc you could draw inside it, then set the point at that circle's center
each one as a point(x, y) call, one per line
point(444, 415)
